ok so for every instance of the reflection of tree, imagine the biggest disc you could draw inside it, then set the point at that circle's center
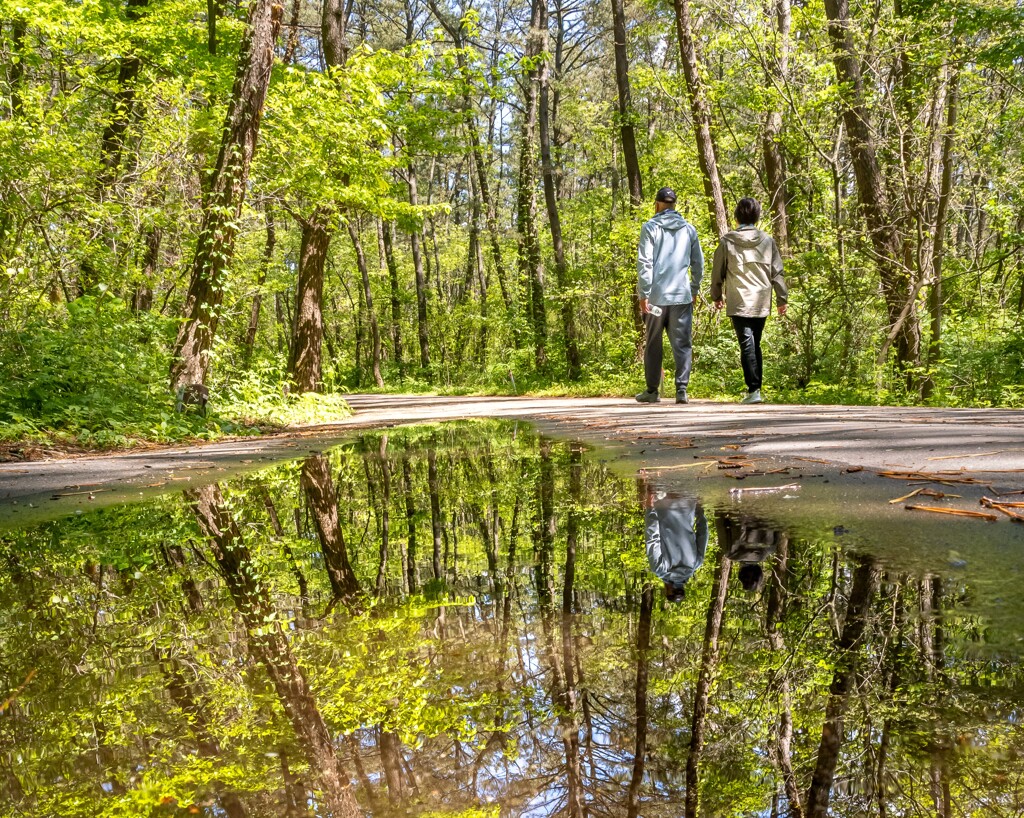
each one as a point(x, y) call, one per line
point(708, 666)
point(323, 505)
point(643, 644)
point(268, 644)
point(866, 577)
point(778, 593)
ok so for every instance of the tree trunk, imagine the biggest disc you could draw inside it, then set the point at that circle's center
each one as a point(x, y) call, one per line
point(531, 269)
point(396, 301)
point(293, 33)
point(323, 504)
point(568, 306)
point(16, 69)
point(225, 194)
point(385, 516)
point(142, 298)
point(774, 159)
point(415, 239)
point(626, 113)
point(333, 22)
point(939, 234)
point(257, 300)
point(269, 646)
point(305, 363)
point(882, 226)
point(702, 694)
point(866, 578)
point(700, 108)
point(364, 273)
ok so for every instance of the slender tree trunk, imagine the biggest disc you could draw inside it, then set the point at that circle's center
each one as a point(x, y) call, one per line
point(213, 11)
point(125, 113)
point(323, 504)
point(421, 283)
point(142, 298)
point(396, 301)
point(456, 29)
point(293, 33)
point(866, 578)
point(269, 646)
point(16, 69)
point(568, 306)
point(882, 226)
point(333, 22)
point(257, 300)
point(626, 114)
point(305, 363)
point(701, 698)
point(774, 159)
point(531, 269)
point(939, 241)
point(225, 194)
point(700, 108)
point(364, 272)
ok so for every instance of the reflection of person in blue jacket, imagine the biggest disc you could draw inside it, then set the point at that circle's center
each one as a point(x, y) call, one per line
point(677, 535)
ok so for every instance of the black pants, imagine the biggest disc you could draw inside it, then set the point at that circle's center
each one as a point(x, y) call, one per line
point(748, 333)
point(677, 320)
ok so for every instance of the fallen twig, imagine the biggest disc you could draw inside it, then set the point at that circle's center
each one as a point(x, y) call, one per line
point(1002, 508)
point(964, 456)
point(765, 489)
point(956, 512)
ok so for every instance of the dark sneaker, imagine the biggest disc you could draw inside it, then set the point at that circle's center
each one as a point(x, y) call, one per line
point(681, 396)
point(647, 397)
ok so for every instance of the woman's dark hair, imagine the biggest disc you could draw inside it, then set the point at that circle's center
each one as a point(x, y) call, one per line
point(748, 211)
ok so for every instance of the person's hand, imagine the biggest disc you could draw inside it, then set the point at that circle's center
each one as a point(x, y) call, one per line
point(782, 309)
point(719, 304)
point(645, 306)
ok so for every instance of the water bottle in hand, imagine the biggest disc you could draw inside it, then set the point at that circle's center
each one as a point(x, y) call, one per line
point(654, 309)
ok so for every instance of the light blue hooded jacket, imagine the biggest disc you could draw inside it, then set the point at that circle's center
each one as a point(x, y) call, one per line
point(676, 533)
point(670, 263)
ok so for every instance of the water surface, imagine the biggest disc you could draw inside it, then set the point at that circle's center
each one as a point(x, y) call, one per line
point(464, 620)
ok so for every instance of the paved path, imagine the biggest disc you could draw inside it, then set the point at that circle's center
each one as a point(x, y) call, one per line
point(988, 443)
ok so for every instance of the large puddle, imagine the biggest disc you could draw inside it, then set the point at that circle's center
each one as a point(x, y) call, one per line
point(466, 620)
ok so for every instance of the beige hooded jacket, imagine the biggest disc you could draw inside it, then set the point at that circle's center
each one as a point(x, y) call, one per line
point(748, 266)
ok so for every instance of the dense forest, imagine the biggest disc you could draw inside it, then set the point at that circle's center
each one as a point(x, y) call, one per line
point(253, 201)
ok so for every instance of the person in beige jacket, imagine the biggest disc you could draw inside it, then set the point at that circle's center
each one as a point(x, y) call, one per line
point(747, 267)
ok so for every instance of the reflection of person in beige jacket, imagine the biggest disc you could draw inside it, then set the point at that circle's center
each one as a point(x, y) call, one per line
point(748, 267)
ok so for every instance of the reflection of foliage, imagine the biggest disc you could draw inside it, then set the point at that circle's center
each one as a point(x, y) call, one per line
point(146, 697)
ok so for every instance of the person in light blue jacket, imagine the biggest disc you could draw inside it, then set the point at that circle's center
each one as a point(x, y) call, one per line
point(670, 266)
point(676, 534)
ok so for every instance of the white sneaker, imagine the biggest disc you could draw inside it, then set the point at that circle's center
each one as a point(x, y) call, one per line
point(753, 397)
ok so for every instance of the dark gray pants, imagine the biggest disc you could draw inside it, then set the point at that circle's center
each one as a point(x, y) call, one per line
point(677, 319)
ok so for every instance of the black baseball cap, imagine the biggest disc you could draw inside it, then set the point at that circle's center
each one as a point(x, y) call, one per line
point(666, 195)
